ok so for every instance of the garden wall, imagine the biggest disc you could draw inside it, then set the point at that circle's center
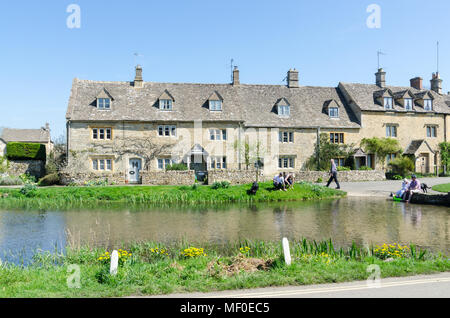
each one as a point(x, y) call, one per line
point(343, 176)
point(168, 177)
point(233, 176)
point(81, 178)
point(35, 168)
point(435, 199)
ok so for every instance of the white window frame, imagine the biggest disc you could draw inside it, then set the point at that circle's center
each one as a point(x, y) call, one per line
point(165, 104)
point(388, 103)
point(163, 163)
point(103, 102)
point(97, 132)
point(333, 112)
point(102, 164)
point(218, 134)
point(428, 104)
point(391, 131)
point(286, 162)
point(167, 130)
point(284, 110)
point(286, 136)
point(408, 103)
point(218, 162)
point(215, 105)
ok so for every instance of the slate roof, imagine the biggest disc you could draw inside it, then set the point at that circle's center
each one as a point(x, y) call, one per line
point(363, 95)
point(252, 104)
point(415, 145)
point(25, 135)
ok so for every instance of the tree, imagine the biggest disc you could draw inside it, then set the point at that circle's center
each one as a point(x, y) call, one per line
point(445, 155)
point(402, 165)
point(381, 147)
point(325, 151)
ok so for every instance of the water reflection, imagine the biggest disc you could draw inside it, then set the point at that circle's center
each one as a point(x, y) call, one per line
point(362, 220)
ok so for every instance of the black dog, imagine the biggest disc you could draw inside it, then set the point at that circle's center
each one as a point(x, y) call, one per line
point(424, 187)
point(254, 188)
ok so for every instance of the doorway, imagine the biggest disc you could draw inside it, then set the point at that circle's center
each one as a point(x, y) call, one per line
point(135, 167)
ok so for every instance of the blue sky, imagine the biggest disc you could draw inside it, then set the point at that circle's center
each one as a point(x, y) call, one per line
point(193, 41)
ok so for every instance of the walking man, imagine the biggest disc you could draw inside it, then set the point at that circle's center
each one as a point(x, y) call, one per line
point(333, 175)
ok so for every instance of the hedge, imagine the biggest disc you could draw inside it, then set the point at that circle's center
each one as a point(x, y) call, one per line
point(25, 151)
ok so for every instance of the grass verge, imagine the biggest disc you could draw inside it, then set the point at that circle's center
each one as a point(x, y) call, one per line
point(150, 268)
point(445, 188)
point(72, 197)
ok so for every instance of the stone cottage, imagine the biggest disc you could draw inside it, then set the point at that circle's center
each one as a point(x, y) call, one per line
point(122, 129)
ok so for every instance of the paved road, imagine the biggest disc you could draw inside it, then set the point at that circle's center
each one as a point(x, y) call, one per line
point(424, 286)
point(384, 188)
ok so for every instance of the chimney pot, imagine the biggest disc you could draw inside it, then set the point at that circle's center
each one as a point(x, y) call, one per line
point(417, 83)
point(292, 78)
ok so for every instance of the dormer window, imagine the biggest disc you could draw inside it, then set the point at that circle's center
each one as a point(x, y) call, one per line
point(408, 103)
point(165, 104)
point(428, 104)
point(284, 110)
point(215, 105)
point(103, 103)
point(333, 112)
point(388, 103)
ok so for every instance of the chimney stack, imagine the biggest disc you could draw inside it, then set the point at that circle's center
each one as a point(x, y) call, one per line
point(380, 77)
point(417, 83)
point(292, 78)
point(436, 83)
point(138, 81)
point(47, 126)
point(236, 76)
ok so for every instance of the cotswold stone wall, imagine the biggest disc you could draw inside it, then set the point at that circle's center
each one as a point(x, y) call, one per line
point(35, 168)
point(81, 178)
point(233, 176)
point(435, 199)
point(168, 177)
point(343, 176)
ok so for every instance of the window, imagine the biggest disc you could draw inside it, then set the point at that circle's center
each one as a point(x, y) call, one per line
point(218, 162)
point(408, 103)
point(286, 162)
point(431, 131)
point(165, 104)
point(286, 136)
point(337, 138)
point(390, 157)
point(218, 134)
point(388, 103)
point(391, 131)
point(102, 133)
point(163, 163)
point(102, 164)
point(215, 105)
point(333, 112)
point(103, 103)
point(167, 131)
point(284, 110)
point(340, 162)
point(428, 104)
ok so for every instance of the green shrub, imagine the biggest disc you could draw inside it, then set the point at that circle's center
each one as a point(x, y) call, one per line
point(220, 185)
point(401, 165)
point(319, 180)
point(48, 180)
point(365, 168)
point(25, 151)
point(28, 190)
point(343, 168)
point(177, 167)
point(26, 178)
point(10, 180)
point(4, 165)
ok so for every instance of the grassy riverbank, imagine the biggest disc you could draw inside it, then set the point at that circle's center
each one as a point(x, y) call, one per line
point(445, 188)
point(155, 269)
point(69, 197)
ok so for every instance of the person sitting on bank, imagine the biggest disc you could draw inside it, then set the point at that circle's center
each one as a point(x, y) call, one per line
point(405, 186)
point(333, 175)
point(414, 187)
point(278, 182)
point(289, 181)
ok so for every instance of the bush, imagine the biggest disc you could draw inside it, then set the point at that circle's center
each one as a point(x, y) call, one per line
point(219, 185)
point(319, 180)
point(177, 167)
point(25, 151)
point(365, 168)
point(10, 180)
point(4, 165)
point(401, 166)
point(28, 190)
point(48, 180)
point(343, 168)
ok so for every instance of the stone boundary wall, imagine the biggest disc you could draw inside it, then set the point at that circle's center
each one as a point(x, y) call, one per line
point(35, 168)
point(81, 178)
point(343, 176)
point(234, 176)
point(168, 177)
point(434, 199)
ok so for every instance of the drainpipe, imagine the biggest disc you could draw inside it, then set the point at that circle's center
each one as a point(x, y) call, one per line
point(239, 145)
point(318, 148)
